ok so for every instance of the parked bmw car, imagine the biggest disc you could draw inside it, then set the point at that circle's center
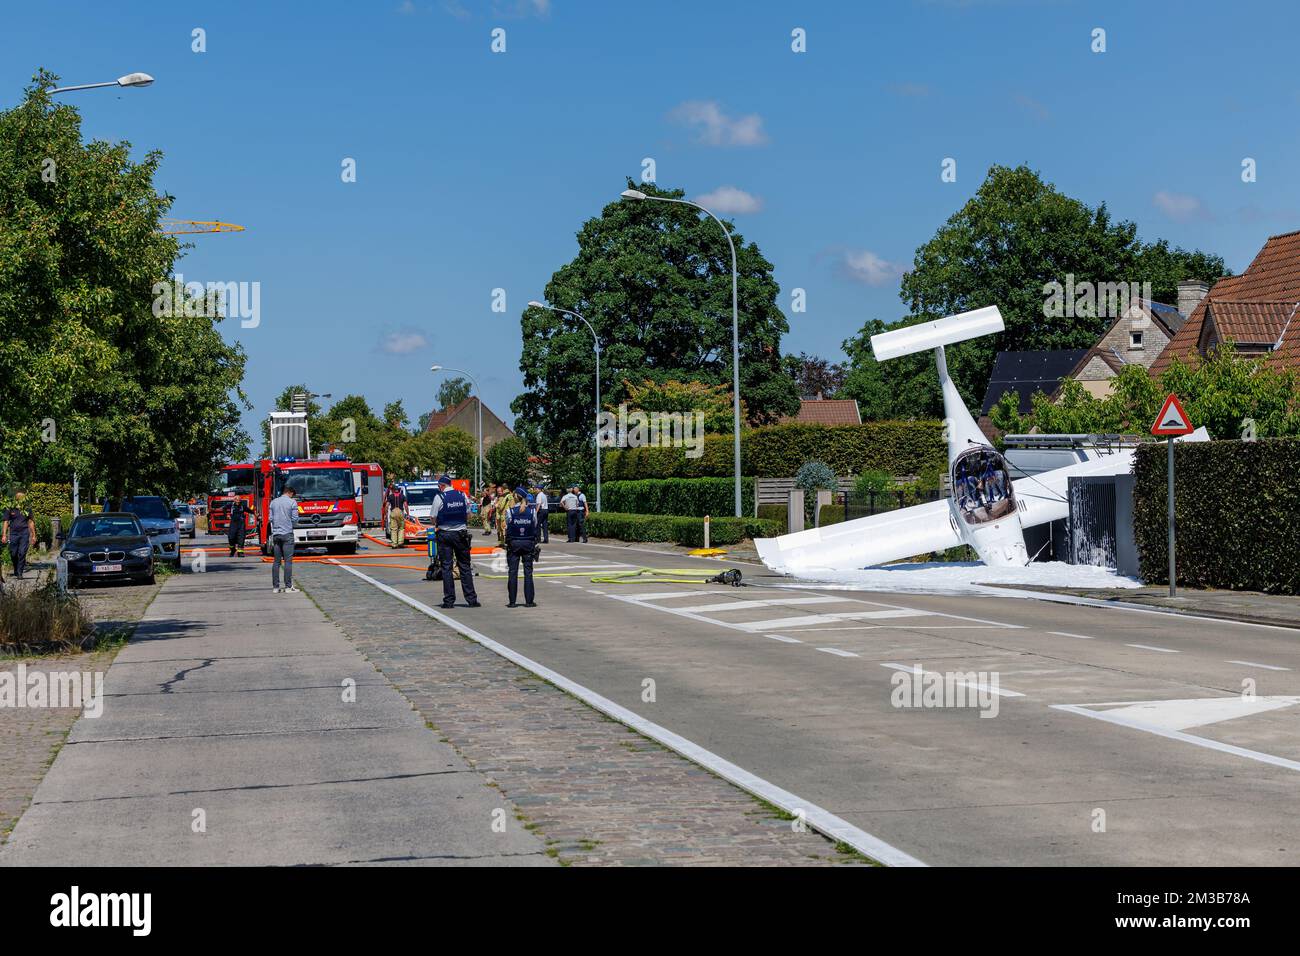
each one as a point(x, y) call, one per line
point(113, 546)
point(184, 519)
point(159, 523)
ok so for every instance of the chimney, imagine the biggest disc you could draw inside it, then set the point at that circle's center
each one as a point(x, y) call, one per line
point(1190, 294)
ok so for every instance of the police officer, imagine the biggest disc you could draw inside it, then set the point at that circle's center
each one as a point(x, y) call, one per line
point(17, 533)
point(543, 514)
point(237, 529)
point(451, 526)
point(521, 542)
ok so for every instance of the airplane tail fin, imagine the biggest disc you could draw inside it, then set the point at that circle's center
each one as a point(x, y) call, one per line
point(930, 335)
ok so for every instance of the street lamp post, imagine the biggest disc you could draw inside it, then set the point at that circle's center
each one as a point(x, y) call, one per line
point(596, 339)
point(735, 326)
point(131, 79)
point(478, 395)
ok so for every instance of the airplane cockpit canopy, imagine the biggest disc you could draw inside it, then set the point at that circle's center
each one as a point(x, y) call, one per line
point(981, 486)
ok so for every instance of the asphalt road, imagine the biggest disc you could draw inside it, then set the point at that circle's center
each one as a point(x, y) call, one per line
point(796, 685)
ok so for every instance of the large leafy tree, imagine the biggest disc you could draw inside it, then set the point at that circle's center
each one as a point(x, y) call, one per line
point(92, 378)
point(1013, 237)
point(450, 450)
point(654, 280)
point(453, 391)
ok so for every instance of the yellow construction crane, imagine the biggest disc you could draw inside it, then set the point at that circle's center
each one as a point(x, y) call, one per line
point(187, 227)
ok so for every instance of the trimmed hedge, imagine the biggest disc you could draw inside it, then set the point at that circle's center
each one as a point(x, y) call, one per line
point(777, 451)
point(1235, 514)
point(677, 529)
point(692, 497)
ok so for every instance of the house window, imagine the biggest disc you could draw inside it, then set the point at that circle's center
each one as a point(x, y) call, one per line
point(1135, 340)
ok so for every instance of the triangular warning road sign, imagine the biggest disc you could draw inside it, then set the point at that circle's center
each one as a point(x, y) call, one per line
point(1172, 420)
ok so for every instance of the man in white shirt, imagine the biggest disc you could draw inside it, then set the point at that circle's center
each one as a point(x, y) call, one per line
point(543, 516)
point(575, 513)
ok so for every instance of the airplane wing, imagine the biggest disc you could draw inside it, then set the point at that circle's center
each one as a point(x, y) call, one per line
point(862, 542)
point(1045, 497)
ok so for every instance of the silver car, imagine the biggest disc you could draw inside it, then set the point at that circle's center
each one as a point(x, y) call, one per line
point(184, 520)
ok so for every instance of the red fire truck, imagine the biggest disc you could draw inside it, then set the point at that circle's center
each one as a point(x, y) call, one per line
point(370, 477)
point(329, 506)
point(234, 482)
point(329, 497)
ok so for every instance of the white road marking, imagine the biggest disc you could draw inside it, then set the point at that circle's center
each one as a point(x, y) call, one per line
point(784, 622)
point(1205, 742)
point(836, 651)
point(661, 595)
point(818, 818)
point(1148, 647)
point(978, 685)
point(1267, 667)
point(1185, 713)
point(784, 639)
point(741, 604)
point(1082, 637)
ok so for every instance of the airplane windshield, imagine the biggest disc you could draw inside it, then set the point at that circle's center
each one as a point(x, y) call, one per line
point(982, 486)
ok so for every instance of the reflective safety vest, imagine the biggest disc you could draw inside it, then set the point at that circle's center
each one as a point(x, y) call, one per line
point(520, 524)
point(454, 510)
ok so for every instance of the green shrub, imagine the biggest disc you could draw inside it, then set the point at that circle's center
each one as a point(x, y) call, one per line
point(777, 451)
point(694, 497)
point(1234, 509)
point(871, 482)
point(677, 529)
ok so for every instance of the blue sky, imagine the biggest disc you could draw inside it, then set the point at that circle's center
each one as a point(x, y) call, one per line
point(475, 169)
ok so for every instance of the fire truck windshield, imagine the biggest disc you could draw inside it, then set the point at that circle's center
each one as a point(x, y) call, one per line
point(314, 484)
point(235, 481)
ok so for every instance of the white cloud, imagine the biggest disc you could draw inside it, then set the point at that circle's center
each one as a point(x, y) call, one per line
point(403, 342)
point(1034, 108)
point(716, 128)
point(863, 265)
point(730, 200)
point(1180, 207)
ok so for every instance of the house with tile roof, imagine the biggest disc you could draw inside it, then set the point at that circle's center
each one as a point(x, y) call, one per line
point(1256, 311)
point(826, 411)
point(1137, 337)
point(464, 415)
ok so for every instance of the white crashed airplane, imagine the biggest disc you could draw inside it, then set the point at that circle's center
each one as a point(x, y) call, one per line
point(987, 510)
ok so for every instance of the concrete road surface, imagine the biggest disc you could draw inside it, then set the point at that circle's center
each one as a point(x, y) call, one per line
point(1120, 737)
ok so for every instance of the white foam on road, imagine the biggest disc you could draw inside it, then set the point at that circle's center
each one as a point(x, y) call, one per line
point(968, 577)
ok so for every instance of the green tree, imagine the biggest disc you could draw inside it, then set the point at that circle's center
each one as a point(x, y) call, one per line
point(453, 391)
point(395, 415)
point(654, 280)
point(507, 462)
point(714, 401)
point(1016, 235)
point(814, 375)
point(450, 450)
point(97, 374)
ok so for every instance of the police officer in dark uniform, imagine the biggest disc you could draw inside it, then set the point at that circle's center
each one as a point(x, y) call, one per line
point(521, 543)
point(18, 533)
point(451, 526)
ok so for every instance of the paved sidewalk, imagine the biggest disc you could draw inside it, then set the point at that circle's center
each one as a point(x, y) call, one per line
point(226, 739)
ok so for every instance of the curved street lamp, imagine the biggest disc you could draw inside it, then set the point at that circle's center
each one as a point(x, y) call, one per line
point(735, 326)
point(478, 396)
point(131, 79)
point(555, 308)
